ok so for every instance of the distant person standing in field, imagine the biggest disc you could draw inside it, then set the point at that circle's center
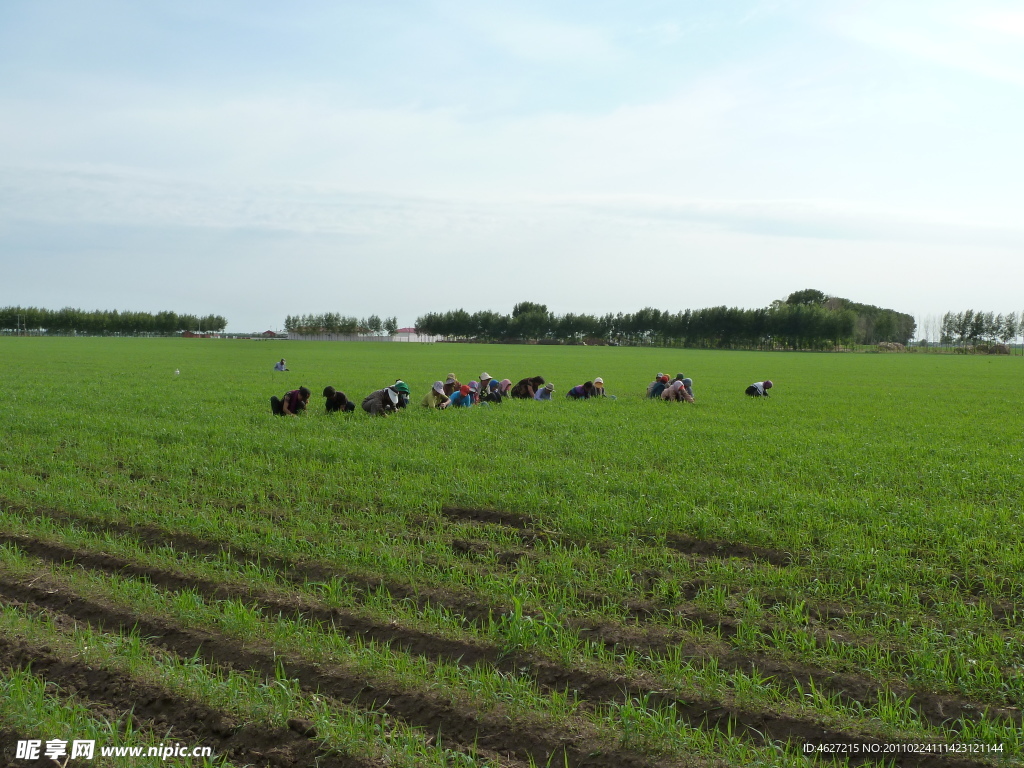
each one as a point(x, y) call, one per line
point(336, 401)
point(676, 392)
point(544, 393)
point(382, 402)
point(759, 388)
point(463, 398)
point(583, 391)
point(526, 389)
point(280, 366)
point(292, 404)
point(435, 398)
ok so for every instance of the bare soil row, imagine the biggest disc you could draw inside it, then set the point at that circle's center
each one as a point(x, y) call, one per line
point(460, 727)
point(114, 695)
point(759, 726)
point(933, 708)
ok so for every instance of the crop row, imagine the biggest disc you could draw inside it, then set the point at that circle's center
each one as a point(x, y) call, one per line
point(817, 639)
point(615, 677)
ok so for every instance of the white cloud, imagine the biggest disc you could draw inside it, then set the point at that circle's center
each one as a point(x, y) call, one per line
point(1005, 22)
point(940, 34)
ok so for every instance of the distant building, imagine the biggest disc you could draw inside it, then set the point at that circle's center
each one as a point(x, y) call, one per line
point(402, 334)
point(409, 334)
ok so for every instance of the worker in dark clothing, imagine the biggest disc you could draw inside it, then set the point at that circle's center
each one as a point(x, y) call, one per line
point(382, 402)
point(337, 401)
point(292, 404)
point(527, 388)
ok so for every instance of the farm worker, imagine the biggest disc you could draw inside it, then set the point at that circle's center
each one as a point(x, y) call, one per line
point(526, 389)
point(658, 386)
point(676, 392)
point(687, 383)
point(381, 403)
point(583, 391)
point(505, 387)
point(292, 403)
point(544, 393)
point(280, 366)
point(403, 393)
point(474, 390)
point(485, 382)
point(759, 388)
point(461, 399)
point(493, 393)
point(451, 384)
point(598, 388)
point(653, 384)
point(435, 398)
point(336, 401)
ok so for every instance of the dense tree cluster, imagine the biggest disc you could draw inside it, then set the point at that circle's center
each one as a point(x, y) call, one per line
point(971, 327)
point(805, 320)
point(332, 322)
point(104, 321)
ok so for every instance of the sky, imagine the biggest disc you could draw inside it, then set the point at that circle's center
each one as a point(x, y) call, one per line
point(258, 159)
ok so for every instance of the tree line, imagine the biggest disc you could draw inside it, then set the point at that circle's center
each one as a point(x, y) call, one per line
point(971, 327)
point(105, 321)
point(332, 322)
point(804, 320)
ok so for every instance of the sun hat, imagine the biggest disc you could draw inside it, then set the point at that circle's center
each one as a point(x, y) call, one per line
point(485, 376)
point(401, 386)
point(465, 390)
point(664, 377)
point(392, 394)
point(438, 387)
point(492, 384)
point(329, 391)
point(687, 382)
point(679, 377)
point(599, 380)
point(549, 387)
point(659, 375)
point(451, 377)
point(474, 386)
point(768, 384)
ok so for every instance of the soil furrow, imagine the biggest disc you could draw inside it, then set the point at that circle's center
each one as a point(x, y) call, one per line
point(760, 726)
point(114, 695)
point(530, 532)
point(456, 723)
point(933, 709)
point(345, 622)
point(1004, 610)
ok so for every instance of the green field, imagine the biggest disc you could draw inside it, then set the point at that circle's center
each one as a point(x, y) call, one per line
point(603, 583)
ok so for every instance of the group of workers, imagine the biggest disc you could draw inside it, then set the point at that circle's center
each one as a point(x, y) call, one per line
point(451, 393)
